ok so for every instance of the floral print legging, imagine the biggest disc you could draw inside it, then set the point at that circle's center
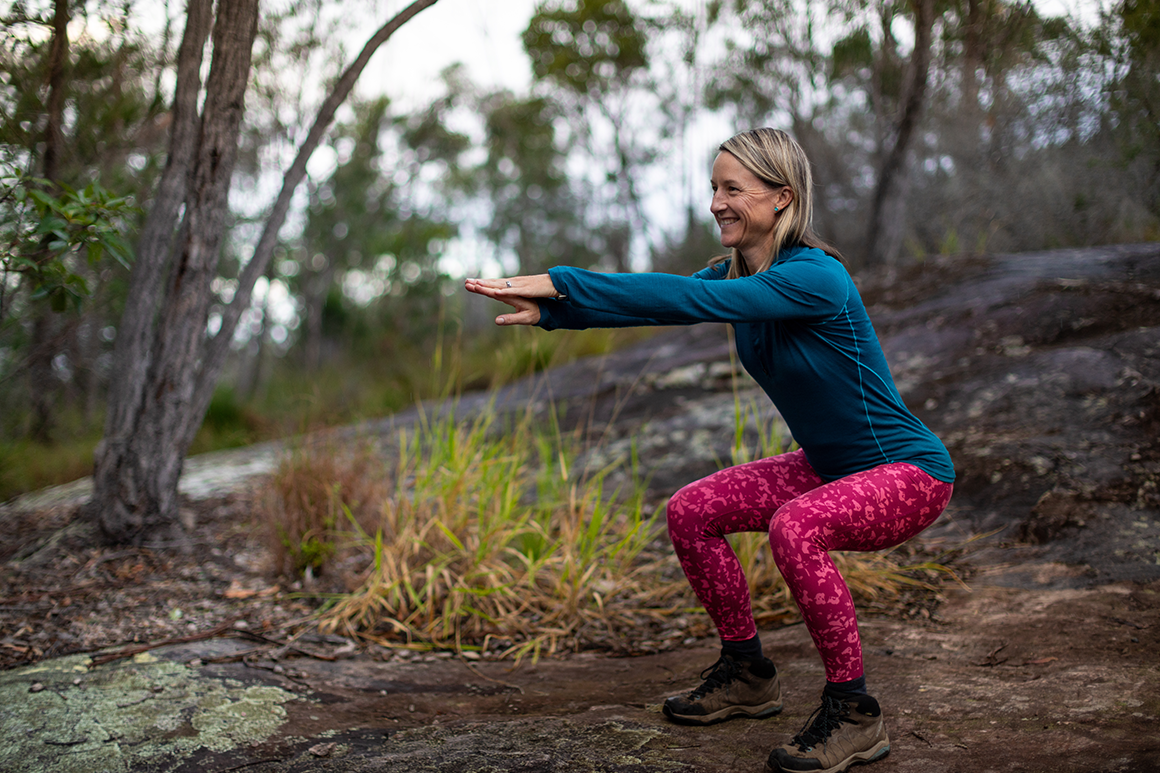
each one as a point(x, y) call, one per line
point(806, 518)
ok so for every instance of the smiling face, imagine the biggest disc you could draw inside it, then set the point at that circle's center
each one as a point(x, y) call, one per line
point(745, 207)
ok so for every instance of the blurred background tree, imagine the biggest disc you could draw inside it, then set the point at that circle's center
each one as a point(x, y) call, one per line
point(956, 127)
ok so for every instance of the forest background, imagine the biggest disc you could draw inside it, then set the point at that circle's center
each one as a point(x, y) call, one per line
point(949, 127)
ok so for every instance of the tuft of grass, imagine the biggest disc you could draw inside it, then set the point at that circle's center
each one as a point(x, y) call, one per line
point(490, 539)
point(314, 489)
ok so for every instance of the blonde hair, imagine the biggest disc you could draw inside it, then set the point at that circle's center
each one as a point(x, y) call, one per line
point(778, 161)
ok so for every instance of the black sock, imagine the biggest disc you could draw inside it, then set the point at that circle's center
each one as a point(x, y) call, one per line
point(747, 649)
point(851, 689)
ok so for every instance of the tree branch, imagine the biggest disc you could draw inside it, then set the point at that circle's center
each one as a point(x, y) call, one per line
point(894, 166)
point(219, 346)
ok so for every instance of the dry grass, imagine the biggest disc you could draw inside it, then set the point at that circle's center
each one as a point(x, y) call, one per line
point(304, 507)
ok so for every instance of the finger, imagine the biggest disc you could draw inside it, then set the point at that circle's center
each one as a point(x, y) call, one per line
point(533, 286)
point(489, 289)
point(480, 289)
point(494, 284)
point(528, 316)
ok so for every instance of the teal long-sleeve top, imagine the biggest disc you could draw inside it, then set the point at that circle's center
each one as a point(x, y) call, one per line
point(801, 332)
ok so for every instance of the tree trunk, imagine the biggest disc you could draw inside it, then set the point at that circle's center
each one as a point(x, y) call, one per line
point(972, 57)
point(119, 475)
point(316, 292)
point(888, 208)
point(42, 348)
point(57, 63)
point(169, 366)
point(136, 482)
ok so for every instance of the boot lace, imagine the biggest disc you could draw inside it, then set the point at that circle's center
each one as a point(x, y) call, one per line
point(822, 723)
point(717, 675)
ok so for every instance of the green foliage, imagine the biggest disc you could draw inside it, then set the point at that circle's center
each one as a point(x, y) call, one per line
point(367, 259)
point(584, 45)
point(40, 232)
point(590, 55)
point(28, 465)
point(1135, 94)
point(535, 212)
point(230, 423)
point(852, 53)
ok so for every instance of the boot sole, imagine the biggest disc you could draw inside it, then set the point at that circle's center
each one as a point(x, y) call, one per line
point(731, 712)
point(873, 754)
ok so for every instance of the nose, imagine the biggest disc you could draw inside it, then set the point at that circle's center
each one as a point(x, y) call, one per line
point(717, 203)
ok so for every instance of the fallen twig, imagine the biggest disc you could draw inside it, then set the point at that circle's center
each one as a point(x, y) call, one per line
point(991, 660)
point(129, 652)
point(1129, 623)
point(234, 658)
point(87, 587)
point(289, 647)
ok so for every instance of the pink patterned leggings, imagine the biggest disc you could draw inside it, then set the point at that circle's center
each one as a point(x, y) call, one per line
point(806, 518)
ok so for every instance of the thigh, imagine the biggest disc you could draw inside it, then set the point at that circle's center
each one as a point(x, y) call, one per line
point(870, 510)
point(746, 496)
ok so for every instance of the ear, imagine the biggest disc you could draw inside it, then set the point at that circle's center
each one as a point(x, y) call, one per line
point(783, 197)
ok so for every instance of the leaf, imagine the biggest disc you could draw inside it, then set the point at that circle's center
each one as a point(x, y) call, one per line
point(117, 248)
point(50, 224)
point(18, 262)
point(42, 197)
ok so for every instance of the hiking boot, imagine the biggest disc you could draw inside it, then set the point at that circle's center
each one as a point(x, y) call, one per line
point(839, 734)
point(732, 688)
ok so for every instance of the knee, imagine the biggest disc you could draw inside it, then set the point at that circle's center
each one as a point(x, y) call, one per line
point(686, 514)
point(790, 535)
point(781, 536)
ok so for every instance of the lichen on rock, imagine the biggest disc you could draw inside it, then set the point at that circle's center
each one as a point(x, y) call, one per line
point(143, 714)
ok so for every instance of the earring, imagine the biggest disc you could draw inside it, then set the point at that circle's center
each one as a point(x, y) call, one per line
point(775, 209)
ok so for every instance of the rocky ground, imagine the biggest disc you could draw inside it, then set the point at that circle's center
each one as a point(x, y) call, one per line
point(1041, 371)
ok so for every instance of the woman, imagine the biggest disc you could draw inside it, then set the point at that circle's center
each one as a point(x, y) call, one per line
point(868, 475)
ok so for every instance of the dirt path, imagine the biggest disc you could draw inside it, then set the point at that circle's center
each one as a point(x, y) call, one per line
point(1066, 681)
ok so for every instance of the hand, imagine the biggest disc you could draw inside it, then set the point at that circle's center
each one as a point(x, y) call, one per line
point(516, 292)
point(533, 286)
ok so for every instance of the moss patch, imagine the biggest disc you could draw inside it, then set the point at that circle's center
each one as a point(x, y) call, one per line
point(60, 717)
